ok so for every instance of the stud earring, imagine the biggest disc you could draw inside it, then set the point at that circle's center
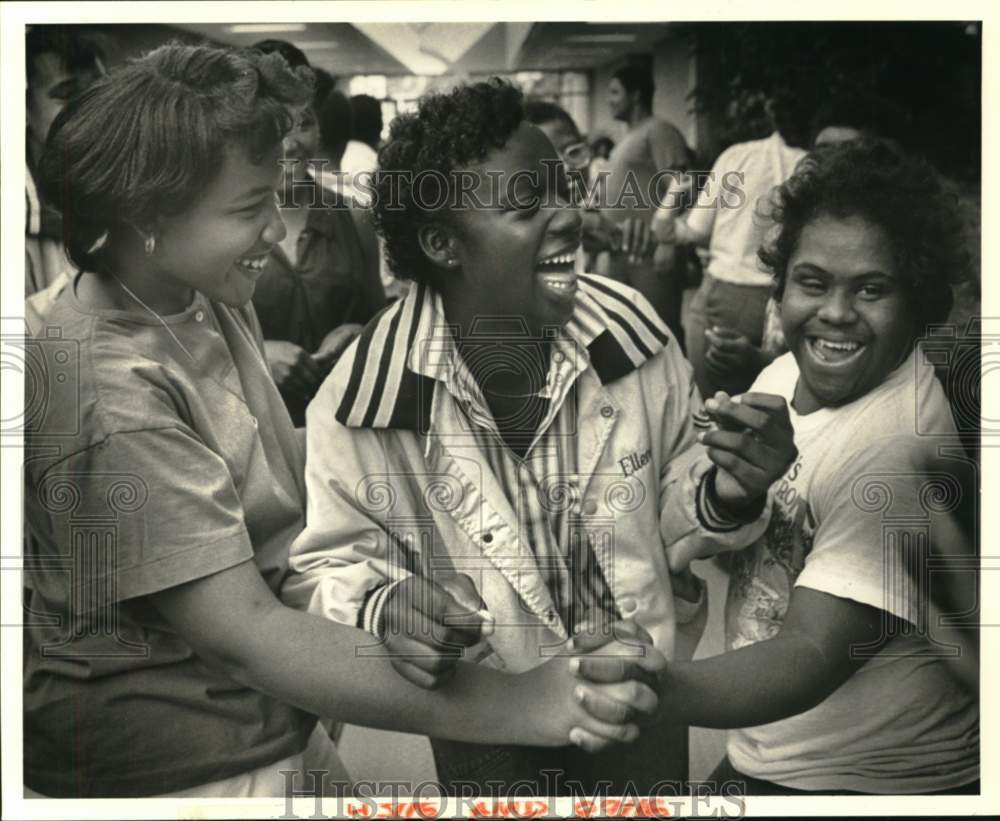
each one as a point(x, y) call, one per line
point(150, 245)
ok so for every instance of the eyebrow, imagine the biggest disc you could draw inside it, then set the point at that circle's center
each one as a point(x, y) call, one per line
point(252, 195)
point(874, 273)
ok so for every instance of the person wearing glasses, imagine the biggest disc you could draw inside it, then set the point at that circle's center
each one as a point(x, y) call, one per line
point(600, 233)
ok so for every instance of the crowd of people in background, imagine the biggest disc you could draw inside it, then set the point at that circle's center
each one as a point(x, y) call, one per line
point(277, 336)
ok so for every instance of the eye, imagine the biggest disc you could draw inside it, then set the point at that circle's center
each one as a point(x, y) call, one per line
point(810, 284)
point(873, 290)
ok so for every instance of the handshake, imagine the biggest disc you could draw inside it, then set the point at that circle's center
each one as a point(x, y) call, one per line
point(598, 691)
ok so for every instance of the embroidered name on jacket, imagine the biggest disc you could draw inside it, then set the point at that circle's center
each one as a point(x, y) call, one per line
point(634, 462)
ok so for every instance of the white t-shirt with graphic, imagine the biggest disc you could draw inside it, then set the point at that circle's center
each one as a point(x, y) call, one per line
point(848, 520)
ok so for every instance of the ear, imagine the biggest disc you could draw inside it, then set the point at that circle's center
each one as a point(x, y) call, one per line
point(439, 245)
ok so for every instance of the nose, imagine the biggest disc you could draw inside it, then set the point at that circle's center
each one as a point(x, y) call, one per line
point(274, 232)
point(567, 222)
point(838, 307)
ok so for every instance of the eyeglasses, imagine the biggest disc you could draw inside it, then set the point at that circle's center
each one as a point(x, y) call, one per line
point(576, 156)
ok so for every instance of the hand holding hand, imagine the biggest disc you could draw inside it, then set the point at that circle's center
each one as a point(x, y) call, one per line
point(752, 448)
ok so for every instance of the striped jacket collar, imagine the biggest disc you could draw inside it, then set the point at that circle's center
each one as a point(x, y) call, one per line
point(617, 326)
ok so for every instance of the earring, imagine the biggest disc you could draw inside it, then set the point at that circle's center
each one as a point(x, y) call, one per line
point(150, 245)
point(452, 262)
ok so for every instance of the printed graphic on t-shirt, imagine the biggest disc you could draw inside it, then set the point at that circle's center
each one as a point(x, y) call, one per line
point(762, 577)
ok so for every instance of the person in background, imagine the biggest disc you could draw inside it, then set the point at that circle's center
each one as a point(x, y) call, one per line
point(601, 149)
point(336, 122)
point(61, 62)
point(833, 681)
point(320, 284)
point(653, 150)
point(518, 437)
point(727, 315)
point(600, 233)
point(361, 154)
point(163, 661)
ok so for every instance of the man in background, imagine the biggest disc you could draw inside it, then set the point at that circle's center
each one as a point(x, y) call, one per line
point(650, 146)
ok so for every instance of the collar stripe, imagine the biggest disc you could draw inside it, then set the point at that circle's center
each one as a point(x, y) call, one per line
point(390, 351)
point(386, 390)
point(641, 316)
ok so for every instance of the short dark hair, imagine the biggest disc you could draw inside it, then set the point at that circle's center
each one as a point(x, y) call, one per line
point(637, 78)
point(448, 131)
point(540, 112)
point(175, 110)
point(367, 115)
point(294, 56)
point(77, 49)
point(902, 195)
point(335, 124)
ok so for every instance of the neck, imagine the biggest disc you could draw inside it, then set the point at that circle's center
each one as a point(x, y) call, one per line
point(159, 291)
point(638, 116)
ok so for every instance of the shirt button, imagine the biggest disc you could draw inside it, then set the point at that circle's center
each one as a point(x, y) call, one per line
point(253, 419)
point(590, 507)
point(487, 538)
point(628, 605)
point(607, 411)
point(558, 356)
point(199, 316)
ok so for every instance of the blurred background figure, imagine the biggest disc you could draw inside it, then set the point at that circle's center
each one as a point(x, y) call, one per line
point(361, 155)
point(321, 283)
point(61, 62)
point(728, 313)
point(651, 145)
point(601, 149)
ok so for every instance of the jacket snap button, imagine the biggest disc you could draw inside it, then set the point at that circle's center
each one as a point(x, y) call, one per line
point(590, 507)
point(487, 537)
point(607, 411)
point(629, 605)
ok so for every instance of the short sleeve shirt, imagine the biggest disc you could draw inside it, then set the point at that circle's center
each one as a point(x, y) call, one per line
point(158, 454)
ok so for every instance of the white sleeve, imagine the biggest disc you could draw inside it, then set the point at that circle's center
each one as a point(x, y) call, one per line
point(701, 217)
point(342, 565)
point(871, 528)
point(689, 526)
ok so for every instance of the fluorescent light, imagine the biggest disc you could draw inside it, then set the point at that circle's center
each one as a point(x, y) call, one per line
point(600, 38)
point(317, 45)
point(265, 28)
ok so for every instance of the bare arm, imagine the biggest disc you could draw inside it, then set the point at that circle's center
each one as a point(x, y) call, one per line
point(794, 671)
point(236, 625)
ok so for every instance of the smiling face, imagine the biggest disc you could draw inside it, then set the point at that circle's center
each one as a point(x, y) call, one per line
point(220, 244)
point(844, 311)
point(516, 257)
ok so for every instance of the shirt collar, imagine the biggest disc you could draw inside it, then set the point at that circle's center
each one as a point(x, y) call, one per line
point(408, 349)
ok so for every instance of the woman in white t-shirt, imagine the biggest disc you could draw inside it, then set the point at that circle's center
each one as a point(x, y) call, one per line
point(834, 680)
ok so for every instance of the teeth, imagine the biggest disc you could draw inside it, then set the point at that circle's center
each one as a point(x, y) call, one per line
point(563, 259)
point(838, 346)
point(253, 263)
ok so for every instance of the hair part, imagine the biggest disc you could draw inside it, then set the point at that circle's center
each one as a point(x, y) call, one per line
point(175, 110)
point(872, 179)
point(448, 132)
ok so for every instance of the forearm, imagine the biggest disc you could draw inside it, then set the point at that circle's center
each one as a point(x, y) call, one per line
point(754, 685)
point(323, 672)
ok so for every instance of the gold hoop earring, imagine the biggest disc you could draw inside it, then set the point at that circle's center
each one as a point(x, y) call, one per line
point(150, 245)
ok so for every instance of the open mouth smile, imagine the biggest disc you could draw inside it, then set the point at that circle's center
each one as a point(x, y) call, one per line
point(557, 273)
point(834, 353)
point(252, 267)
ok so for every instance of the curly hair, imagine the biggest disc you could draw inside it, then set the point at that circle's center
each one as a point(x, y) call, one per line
point(175, 110)
point(918, 211)
point(448, 132)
